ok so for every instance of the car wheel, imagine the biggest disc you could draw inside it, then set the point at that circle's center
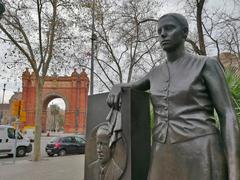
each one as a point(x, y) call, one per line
point(82, 151)
point(49, 154)
point(62, 152)
point(21, 152)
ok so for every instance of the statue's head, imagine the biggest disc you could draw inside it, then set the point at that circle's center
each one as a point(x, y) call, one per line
point(2, 7)
point(104, 152)
point(172, 30)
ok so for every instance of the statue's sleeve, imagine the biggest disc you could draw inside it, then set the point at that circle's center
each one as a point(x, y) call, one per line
point(142, 84)
point(223, 103)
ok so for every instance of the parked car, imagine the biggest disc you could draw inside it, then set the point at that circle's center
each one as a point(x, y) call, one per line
point(66, 145)
point(7, 141)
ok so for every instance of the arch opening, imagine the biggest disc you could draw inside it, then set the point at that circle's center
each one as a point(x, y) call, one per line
point(55, 115)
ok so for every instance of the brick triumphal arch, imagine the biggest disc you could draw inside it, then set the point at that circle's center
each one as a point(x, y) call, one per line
point(72, 89)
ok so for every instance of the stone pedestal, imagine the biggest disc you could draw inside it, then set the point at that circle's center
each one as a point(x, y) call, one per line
point(133, 156)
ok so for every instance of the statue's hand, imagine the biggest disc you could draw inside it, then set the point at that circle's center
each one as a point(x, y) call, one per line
point(113, 99)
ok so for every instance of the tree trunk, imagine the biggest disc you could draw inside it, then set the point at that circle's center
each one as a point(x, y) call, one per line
point(200, 5)
point(38, 120)
point(130, 73)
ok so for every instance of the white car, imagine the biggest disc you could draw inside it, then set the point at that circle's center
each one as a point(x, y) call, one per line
point(7, 141)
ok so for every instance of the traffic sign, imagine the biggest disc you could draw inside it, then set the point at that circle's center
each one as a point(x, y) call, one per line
point(16, 107)
point(23, 116)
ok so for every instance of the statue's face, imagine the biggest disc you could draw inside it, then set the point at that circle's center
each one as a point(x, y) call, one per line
point(171, 34)
point(103, 150)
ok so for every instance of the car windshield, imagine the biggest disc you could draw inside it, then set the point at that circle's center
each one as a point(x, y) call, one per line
point(80, 140)
point(68, 139)
point(11, 134)
point(55, 139)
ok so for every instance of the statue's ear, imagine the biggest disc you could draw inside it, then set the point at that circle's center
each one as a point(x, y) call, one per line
point(185, 32)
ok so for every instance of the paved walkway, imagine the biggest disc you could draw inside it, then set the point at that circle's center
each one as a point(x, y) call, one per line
point(52, 168)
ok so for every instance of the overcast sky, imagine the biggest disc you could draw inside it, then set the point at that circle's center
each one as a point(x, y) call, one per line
point(14, 82)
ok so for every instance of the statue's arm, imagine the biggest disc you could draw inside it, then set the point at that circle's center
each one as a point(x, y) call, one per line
point(113, 97)
point(222, 101)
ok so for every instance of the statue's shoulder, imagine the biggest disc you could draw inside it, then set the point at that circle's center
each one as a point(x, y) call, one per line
point(114, 170)
point(92, 170)
point(211, 63)
point(205, 60)
point(195, 57)
point(93, 164)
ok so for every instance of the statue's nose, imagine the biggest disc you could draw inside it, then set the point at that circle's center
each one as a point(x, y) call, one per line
point(163, 33)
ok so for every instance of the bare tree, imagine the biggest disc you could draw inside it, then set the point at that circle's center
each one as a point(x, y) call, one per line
point(219, 28)
point(31, 27)
point(230, 40)
point(126, 44)
point(194, 11)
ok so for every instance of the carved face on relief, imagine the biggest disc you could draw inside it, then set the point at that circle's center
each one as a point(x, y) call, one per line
point(103, 149)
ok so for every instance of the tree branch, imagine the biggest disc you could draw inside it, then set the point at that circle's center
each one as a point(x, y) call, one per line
point(52, 36)
point(31, 61)
point(194, 46)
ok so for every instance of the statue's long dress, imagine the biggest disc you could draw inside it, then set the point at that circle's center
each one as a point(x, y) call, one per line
point(186, 141)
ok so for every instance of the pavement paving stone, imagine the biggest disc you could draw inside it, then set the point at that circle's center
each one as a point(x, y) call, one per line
point(53, 168)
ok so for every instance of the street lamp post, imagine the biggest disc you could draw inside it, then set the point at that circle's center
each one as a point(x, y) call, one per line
point(1, 115)
point(4, 89)
point(93, 38)
point(2, 9)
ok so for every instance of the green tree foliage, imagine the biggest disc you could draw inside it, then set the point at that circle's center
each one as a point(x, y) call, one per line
point(233, 79)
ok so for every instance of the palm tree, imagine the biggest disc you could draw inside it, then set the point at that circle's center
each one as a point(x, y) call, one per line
point(233, 79)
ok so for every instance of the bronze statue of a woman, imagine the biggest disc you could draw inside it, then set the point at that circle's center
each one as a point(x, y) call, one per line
point(185, 90)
